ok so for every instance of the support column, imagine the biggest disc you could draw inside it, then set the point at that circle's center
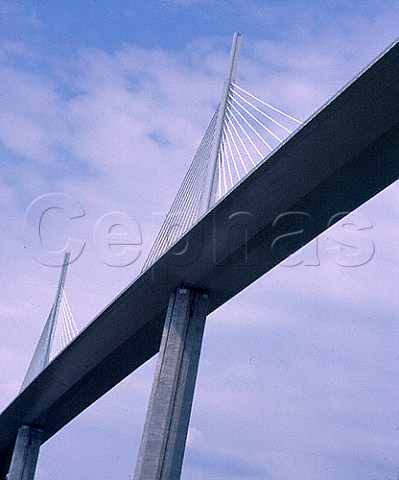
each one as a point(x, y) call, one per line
point(165, 430)
point(26, 453)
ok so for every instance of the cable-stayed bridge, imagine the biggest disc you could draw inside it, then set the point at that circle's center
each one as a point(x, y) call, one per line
point(243, 131)
point(342, 156)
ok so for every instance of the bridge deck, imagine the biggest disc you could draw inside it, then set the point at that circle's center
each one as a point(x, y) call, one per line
point(343, 156)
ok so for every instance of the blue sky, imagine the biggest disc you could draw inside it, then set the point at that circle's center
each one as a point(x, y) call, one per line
point(105, 102)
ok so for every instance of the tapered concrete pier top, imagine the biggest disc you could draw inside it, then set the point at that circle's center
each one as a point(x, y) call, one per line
point(26, 453)
point(165, 431)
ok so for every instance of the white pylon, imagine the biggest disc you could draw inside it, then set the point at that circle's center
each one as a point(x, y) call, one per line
point(59, 330)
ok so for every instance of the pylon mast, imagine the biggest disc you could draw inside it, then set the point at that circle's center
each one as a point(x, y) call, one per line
point(43, 352)
point(55, 308)
point(210, 184)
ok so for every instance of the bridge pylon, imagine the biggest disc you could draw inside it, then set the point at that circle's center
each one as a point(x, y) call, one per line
point(58, 331)
point(210, 184)
point(165, 431)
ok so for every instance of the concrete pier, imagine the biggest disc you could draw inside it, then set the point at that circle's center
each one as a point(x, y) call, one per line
point(26, 453)
point(165, 431)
